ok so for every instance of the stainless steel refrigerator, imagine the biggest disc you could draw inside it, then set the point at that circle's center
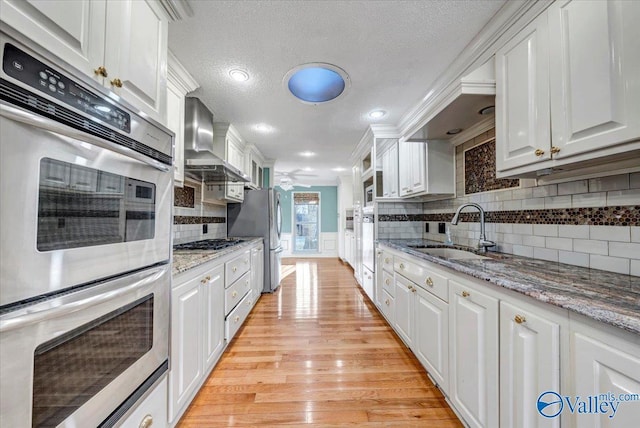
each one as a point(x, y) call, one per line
point(260, 215)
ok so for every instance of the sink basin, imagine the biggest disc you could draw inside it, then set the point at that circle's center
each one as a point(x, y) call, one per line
point(451, 253)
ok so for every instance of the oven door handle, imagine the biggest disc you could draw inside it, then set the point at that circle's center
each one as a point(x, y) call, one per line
point(71, 303)
point(29, 118)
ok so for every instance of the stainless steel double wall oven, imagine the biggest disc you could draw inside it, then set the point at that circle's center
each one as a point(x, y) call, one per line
point(85, 230)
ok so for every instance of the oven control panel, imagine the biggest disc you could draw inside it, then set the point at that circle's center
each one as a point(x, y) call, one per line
point(23, 67)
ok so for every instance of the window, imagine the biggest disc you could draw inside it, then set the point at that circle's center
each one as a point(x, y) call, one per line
point(306, 215)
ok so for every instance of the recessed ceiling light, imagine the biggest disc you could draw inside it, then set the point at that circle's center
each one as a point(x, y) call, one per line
point(307, 154)
point(339, 169)
point(454, 131)
point(377, 114)
point(308, 169)
point(263, 127)
point(239, 75)
point(487, 110)
point(316, 82)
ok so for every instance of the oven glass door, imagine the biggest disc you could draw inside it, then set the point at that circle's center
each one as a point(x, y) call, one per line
point(68, 204)
point(76, 358)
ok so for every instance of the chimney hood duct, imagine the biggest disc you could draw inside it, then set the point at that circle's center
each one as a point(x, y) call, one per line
point(200, 163)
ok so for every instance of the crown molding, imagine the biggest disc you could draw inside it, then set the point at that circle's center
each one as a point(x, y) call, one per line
point(510, 19)
point(179, 76)
point(176, 10)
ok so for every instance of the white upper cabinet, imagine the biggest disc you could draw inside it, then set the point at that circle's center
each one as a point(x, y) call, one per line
point(121, 44)
point(568, 88)
point(179, 83)
point(390, 172)
point(594, 74)
point(229, 145)
point(522, 98)
point(426, 168)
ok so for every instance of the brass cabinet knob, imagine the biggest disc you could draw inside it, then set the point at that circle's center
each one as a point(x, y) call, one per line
point(101, 71)
point(466, 294)
point(387, 302)
point(117, 83)
point(234, 269)
point(429, 281)
point(147, 421)
point(387, 260)
point(414, 289)
point(555, 150)
point(410, 287)
point(234, 294)
point(236, 319)
point(401, 265)
point(386, 281)
point(519, 319)
point(539, 152)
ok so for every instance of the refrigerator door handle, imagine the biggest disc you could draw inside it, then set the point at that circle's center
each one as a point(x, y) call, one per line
point(278, 250)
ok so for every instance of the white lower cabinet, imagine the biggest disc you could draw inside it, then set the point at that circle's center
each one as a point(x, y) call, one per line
point(213, 294)
point(186, 344)
point(473, 354)
point(404, 302)
point(388, 307)
point(431, 341)
point(604, 361)
point(151, 412)
point(529, 365)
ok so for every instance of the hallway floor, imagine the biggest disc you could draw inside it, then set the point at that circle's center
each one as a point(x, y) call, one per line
point(317, 353)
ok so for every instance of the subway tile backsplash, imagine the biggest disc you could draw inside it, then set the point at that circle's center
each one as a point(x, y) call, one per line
point(190, 214)
point(592, 222)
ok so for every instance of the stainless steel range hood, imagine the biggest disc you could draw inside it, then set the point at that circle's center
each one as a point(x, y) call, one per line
point(199, 161)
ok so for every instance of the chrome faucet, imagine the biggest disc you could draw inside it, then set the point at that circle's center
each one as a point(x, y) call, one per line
point(483, 243)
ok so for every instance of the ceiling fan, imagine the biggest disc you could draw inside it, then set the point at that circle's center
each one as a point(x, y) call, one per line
point(289, 179)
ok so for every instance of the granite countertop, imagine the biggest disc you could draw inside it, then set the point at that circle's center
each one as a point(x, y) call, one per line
point(183, 260)
point(608, 297)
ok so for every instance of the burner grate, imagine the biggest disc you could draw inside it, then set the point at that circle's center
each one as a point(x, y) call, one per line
point(208, 244)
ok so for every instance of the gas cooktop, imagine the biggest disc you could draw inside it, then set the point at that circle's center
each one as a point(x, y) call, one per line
point(208, 244)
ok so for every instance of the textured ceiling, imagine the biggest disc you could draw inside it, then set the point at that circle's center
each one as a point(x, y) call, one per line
point(393, 51)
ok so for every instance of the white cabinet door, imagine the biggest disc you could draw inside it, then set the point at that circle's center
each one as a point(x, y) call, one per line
point(522, 98)
point(136, 54)
point(186, 348)
point(72, 30)
point(594, 68)
point(404, 303)
point(473, 358)
point(529, 366)
point(213, 297)
point(602, 365)
point(431, 344)
point(418, 168)
point(175, 122)
point(404, 174)
point(257, 272)
point(390, 172)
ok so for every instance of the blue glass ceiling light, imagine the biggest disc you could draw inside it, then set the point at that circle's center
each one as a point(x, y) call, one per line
point(317, 82)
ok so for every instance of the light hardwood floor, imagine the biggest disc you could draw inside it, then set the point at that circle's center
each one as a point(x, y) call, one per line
point(317, 353)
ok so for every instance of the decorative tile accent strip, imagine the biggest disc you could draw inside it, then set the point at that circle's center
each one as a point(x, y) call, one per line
point(601, 216)
point(480, 170)
point(184, 197)
point(183, 219)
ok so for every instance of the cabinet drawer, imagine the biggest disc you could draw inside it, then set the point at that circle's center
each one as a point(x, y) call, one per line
point(236, 267)
point(386, 260)
point(236, 317)
point(152, 410)
point(388, 307)
point(387, 283)
point(424, 277)
point(236, 292)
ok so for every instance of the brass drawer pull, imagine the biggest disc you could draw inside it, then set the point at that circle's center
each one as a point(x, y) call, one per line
point(429, 281)
point(401, 265)
point(466, 294)
point(387, 302)
point(519, 319)
point(205, 279)
point(555, 150)
point(387, 260)
point(147, 421)
point(410, 287)
point(101, 71)
point(538, 152)
point(234, 269)
point(117, 83)
point(386, 281)
point(236, 319)
point(234, 294)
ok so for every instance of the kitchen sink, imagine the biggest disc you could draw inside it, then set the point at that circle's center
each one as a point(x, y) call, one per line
point(451, 253)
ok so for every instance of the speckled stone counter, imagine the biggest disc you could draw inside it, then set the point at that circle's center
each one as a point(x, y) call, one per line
point(183, 260)
point(603, 296)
